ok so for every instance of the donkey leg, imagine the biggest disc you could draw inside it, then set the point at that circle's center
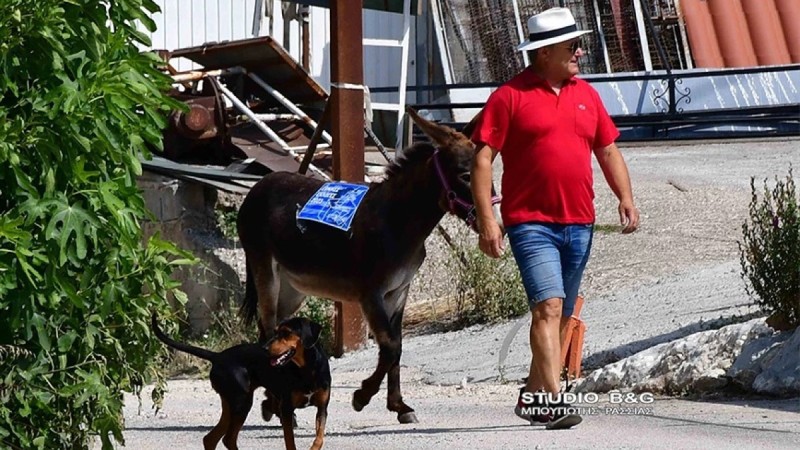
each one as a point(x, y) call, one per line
point(267, 284)
point(394, 399)
point(290, 299)
point(388, 344)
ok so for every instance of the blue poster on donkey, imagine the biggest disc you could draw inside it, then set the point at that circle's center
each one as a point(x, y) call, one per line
point(334, 204)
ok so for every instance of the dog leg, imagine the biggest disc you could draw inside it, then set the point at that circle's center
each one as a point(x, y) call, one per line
point(267, 408)
point(211, 440)
point(321, 399)
point(240, 407)
point(287, 419)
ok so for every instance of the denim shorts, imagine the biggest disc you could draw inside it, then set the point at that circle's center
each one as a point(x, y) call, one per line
point(551, 259)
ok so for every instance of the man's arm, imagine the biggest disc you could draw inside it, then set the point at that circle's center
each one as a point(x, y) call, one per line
point(616, 174)
point(490, 238)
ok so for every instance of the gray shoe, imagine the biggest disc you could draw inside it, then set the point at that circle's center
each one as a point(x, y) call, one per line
point(522, 410)
point(562, 419)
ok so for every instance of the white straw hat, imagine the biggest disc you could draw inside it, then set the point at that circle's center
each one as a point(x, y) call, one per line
point(551, 27)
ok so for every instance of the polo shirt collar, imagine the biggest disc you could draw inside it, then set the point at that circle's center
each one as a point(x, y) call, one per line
point(531, 78)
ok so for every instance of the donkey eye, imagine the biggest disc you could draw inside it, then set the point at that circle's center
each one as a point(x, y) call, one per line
point(465, 177)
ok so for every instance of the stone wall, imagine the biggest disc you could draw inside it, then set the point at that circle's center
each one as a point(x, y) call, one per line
point(184, 213)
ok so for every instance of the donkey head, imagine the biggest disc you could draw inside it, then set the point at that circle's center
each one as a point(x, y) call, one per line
point(452, 161)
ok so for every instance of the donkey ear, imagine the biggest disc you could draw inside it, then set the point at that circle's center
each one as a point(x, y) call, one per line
point(442, 135)
point(470, 127)
point(311, 332)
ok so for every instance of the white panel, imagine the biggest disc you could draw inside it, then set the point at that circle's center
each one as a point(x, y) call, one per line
point(382, 64)
point(211, 11)
point(224, 20)
point(184, 23)
point(158, 37)
point(170, 25)
point(320, 46)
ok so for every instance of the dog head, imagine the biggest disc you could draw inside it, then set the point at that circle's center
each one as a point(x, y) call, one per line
point(292, 338)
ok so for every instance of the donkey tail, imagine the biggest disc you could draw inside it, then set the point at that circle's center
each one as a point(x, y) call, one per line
point(190, 349)
point(249, 310)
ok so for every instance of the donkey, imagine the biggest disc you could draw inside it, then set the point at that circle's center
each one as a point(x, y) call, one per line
point(374, 264)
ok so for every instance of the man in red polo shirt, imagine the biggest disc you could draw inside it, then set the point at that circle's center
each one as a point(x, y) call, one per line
point(546, 123)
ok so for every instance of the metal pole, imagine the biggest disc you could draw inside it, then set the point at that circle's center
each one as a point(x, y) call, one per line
point(520, 33)
point(401, 112)
point(265, 129)
point(662, 55)
point(347, 108)
point(288, 104)
point(648, 64)
point(602, 35)
point(195, 75)
point(441, 42)
point(305, 30)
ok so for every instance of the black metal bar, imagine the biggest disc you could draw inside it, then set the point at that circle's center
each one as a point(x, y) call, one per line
point(662, 55)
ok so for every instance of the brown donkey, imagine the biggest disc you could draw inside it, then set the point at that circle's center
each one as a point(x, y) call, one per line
point(372, 264)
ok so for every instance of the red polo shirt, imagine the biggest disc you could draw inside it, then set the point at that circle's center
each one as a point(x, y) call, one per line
point(546, 142)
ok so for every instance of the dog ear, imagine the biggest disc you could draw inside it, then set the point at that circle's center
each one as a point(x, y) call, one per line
point(311, 332)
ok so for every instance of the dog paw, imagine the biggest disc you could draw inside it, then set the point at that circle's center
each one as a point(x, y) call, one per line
point(266, 411)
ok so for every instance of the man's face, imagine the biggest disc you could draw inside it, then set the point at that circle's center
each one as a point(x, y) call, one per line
point(563, 57)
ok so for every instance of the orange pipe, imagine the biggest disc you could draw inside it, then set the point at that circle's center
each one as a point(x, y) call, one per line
point(766, 32)
point(732, 33)
point(702, 39)
point(789, 14)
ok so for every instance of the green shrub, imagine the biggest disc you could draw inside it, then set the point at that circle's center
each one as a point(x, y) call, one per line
point(78, 106)
point(770, 250)
point(320, 311)
point(487, 290)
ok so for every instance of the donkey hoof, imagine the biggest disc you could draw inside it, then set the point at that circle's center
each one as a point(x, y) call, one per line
point(357, 404)
point(408, 417)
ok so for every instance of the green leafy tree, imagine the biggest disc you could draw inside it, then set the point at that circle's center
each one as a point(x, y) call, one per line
point(770, 251)
point(80, 104)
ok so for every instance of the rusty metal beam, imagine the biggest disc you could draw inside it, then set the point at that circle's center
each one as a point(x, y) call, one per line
point(316, 137)
point(347, 114)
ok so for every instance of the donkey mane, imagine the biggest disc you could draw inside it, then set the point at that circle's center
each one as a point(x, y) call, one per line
point(411, 156)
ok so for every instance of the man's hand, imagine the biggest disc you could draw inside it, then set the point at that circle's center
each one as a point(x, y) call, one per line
point(490, 239)
point(628, 217)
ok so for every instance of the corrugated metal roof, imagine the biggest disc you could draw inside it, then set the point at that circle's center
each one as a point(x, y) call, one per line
point(742, 33)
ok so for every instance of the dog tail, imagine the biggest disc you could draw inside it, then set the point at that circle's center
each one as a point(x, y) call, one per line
point(249, 309)
point(208, 355)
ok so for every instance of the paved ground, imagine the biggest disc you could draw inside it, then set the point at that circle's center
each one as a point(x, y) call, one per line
point(478, 417)
point(679, 274)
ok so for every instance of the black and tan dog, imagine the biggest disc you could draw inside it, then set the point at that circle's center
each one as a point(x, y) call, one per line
point(291, 367)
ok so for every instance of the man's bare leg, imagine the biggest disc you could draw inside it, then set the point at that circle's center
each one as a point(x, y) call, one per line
point(545, 341)
point(534, 382)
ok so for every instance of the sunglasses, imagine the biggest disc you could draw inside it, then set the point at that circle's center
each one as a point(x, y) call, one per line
point(574, 46)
